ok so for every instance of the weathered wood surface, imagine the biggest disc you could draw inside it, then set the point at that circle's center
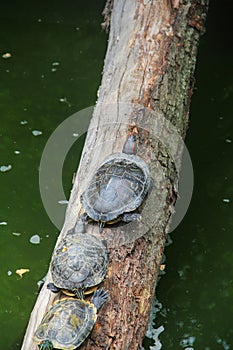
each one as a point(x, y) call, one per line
point(150, 62)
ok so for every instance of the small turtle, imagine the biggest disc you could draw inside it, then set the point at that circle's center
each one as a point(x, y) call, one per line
point(69, 322)
point(79, 262)
point(118, 187)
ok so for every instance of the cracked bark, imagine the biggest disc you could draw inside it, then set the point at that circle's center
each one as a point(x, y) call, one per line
point(150, 62)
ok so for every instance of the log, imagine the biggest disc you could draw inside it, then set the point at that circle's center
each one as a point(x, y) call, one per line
point(147, 85)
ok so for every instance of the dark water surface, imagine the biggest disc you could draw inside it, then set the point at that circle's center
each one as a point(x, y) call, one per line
point(57, 51)
point(196, 293)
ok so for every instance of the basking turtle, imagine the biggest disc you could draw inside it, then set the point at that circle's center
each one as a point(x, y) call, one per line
point(69, 322)
point(80, 261)
point(118, 187)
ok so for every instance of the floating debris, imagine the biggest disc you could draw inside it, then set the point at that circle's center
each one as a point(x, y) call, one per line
point(75, 134)
point(4, 168)
point(9, 273)
point(16, 152)
point(64, 100)
point(162, 267)
point(6, 55)
point(188, 342)
point(16, 234)
point(226, 200)
point(3, 223)
point(20, 272)
point(228, 140)
point(23, 122)
point(63, 201)
point(36, 132)
point(55, 63)
point(35, 239)
point(53, 69)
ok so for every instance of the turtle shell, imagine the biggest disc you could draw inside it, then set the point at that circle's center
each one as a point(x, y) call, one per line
point(67, 323)
point(119, 185)
point(79, 261)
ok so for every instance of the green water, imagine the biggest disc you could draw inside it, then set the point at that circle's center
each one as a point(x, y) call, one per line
point(36, 93)
point(57, 53)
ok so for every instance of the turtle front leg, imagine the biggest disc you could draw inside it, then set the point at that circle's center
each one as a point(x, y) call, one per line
point(129, 217)
point(51, 286)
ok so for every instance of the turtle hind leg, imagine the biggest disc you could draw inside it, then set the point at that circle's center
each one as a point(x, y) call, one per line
point(129, 217)
point(99, 298)
point(46, 345)
point(51, 286)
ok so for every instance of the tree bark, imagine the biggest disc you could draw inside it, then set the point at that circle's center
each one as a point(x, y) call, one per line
point(148, 77)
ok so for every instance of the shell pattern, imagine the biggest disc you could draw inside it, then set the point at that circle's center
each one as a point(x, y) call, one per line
point(119, 186)
point(79, 261)
point(67, 323)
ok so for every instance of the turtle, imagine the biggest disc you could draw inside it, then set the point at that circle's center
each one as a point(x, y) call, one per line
point(69, 322)
point(79, 262)
point(118, 187)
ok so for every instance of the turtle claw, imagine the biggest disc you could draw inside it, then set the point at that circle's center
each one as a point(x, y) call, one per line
point(129, 217)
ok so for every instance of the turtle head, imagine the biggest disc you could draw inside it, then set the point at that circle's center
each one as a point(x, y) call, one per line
point(130, 146)
point(46, 345)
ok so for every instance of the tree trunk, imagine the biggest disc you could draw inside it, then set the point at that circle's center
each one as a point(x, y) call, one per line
point(146, 87)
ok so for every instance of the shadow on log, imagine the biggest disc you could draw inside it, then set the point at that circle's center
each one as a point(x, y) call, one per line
point(147, 83)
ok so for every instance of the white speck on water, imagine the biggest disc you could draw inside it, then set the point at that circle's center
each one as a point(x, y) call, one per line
point(3, 223)
point(63, 201)
point(23, 122)
point(226, 200)
point(35, 239)
point(77, 28)
point(228, 140)
point(64, 100)
point(53, 69)
point(8, 70)
point(55, 63)
point(4, 168)
point(36, 132)
point(9, 273)
point(6, 55)
point(16, 234)
point(42, 76)
point(39, 20)
point(75, 134)
point(16, 152)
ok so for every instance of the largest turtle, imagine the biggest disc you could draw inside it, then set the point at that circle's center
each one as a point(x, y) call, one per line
point(118, 187)
point(69, 322)
point(80, 261)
